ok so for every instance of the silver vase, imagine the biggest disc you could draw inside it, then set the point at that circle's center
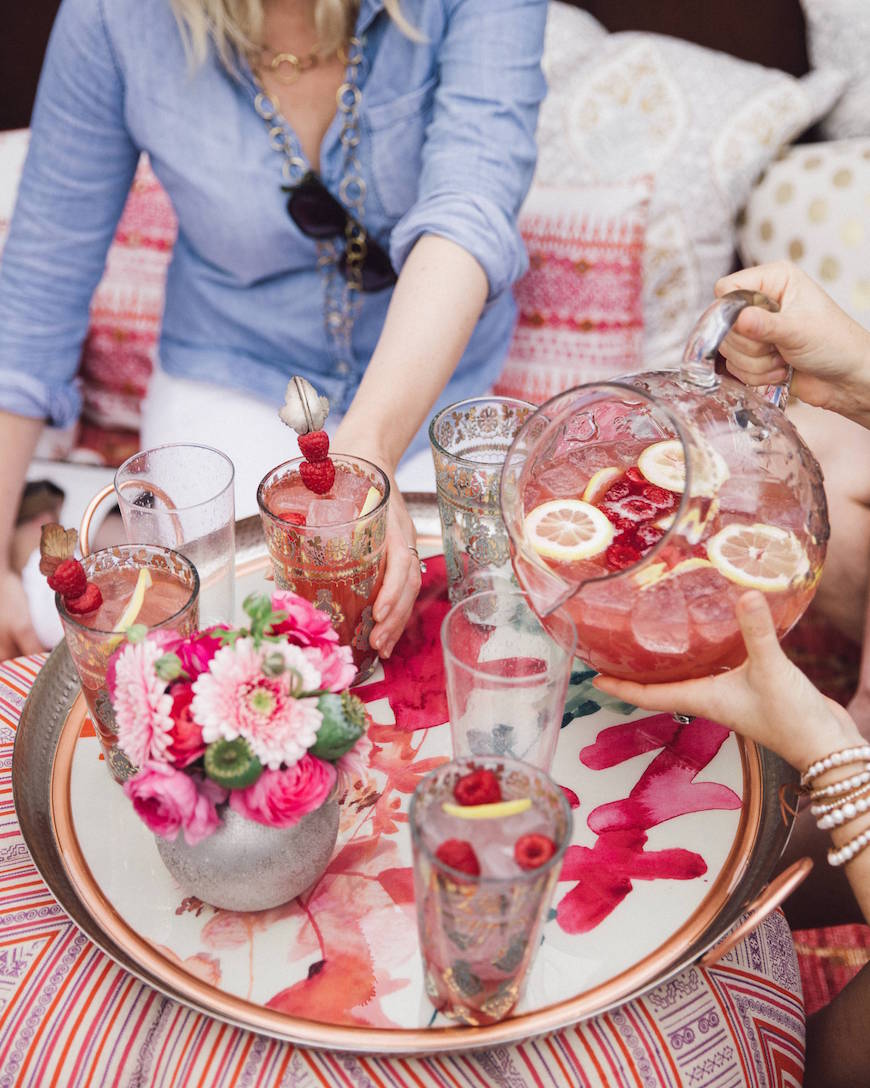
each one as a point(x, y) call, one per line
point(245, 865)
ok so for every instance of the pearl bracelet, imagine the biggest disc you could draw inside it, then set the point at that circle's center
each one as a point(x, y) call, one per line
point(849, 849)
point(845, 756)
point(829, 806)
point(844, 813)
point(843, 786)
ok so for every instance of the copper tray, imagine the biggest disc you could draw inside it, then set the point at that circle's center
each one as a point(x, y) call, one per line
point(42, 758)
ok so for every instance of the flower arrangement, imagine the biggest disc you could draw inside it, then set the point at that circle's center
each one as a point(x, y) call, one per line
point(253, 718)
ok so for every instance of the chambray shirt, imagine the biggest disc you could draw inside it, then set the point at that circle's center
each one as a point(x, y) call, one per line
point(446, 147)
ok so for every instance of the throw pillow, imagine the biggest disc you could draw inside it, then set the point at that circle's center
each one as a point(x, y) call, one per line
point(838, 36)
point(813, 207)
point(580, 316)
point(704, 124)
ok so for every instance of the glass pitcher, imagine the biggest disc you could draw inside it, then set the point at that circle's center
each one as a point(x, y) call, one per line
point(643, 508)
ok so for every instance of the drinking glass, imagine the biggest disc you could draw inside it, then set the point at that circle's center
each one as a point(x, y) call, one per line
point(469, 442)
point(181, 496)
point(506, 677)
point(170, 602)
point(325, 549)
point(478, 934)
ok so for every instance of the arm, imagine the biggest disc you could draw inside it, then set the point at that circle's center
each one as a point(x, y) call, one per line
point(416, 354)
point(73, 186)
point(456, 247)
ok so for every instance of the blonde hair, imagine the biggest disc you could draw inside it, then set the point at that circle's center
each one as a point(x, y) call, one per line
point(236, 26)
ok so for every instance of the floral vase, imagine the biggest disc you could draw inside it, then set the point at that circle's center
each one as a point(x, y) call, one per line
point(245, 865)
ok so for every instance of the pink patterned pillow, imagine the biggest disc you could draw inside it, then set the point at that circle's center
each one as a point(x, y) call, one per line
point(127, 307)
point(580, 313)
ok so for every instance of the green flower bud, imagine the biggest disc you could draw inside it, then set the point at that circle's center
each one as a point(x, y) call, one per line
point(232, 764)
point(344, 722)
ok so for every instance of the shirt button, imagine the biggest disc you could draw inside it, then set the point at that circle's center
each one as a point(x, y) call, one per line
point(342, 367)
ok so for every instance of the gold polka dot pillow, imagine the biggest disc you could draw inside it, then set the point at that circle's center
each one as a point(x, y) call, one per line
point(813, 207)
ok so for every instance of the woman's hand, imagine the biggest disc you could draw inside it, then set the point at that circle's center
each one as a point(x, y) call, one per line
point(830, 353)
point(16, 632)
point(767, 698)
point(402, 575)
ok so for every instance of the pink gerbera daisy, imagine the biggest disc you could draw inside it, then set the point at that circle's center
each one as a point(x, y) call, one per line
point(237, 698)
point(143, 707)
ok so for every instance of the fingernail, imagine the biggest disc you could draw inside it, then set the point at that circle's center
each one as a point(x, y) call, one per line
point(386, 651)
point(381, 614)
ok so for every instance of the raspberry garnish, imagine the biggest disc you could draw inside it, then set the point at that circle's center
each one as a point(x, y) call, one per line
point(659, 497)
point(477, 788)
point(647, 536)
point(318, 476)
point(459, 854)
point(69, 579)
point(620, 556)
point(89, 601)
point(314, 446)
point(293, 517)
point(533, 851)
point(619, 490)
point(636, 479)
point(633, 507)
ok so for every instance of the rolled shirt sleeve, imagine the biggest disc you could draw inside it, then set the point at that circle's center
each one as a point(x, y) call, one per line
point(479, 152)
point(74, 183)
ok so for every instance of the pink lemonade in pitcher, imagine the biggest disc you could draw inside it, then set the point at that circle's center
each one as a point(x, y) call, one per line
point(609, 508)
point(329, 548)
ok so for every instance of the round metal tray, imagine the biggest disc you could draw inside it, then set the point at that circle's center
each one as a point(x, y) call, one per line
point(40, 731)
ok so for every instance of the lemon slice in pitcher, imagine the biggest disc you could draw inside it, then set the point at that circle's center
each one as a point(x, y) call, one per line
point(496, 810)
point(568, 529)
point(664, 464)
point(758, 556)
point(599, 483)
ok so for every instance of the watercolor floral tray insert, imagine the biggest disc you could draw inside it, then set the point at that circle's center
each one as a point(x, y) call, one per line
point(661, 835)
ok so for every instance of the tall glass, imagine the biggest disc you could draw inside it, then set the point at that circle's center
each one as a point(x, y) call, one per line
point(171, 602)
point(326, 549)
point(479, 934)
point(506, 677)
point(469, 442)
point(181, 496)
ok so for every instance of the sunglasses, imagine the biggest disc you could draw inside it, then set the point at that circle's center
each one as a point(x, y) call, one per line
point(319, 215)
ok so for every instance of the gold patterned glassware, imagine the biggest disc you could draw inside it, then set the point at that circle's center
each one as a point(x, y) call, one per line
point(330, 548)
point(479, 933)
point(171, 601)
point(469, 441)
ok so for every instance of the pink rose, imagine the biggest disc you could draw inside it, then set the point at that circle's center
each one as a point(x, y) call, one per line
point(305, 625)
point(196, 651)
point(185, 738)
point(335, 665)
point(282, 798)
point(168, 801)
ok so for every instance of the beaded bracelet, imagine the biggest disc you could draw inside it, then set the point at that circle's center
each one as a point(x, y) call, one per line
point(838, 802)
point(845, 756)
point(844, 813)
point(843, 786)
point(849, 849)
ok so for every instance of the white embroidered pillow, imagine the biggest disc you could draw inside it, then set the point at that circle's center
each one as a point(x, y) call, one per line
point(838, 36)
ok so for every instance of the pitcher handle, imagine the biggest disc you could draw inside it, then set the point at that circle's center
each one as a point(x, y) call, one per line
point(88, 516)
point(698, 365)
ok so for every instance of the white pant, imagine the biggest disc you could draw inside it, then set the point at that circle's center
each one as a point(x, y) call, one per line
point(243, 427)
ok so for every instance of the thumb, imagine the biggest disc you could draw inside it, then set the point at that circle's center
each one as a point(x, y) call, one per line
point(758, 630)
point(765, 327)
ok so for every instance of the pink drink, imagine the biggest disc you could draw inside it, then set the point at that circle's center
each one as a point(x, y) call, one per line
point(171, 601)
point(654, 629)
point(325, 549)
point(479, 933)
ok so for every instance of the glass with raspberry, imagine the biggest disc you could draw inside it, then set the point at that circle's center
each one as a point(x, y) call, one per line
point(488, 840)
point(326, 540)
point(645, 528)
point(128, 584)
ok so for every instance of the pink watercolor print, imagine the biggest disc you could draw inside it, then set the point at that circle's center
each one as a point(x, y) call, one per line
point(665, 790)
point(414, 682)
